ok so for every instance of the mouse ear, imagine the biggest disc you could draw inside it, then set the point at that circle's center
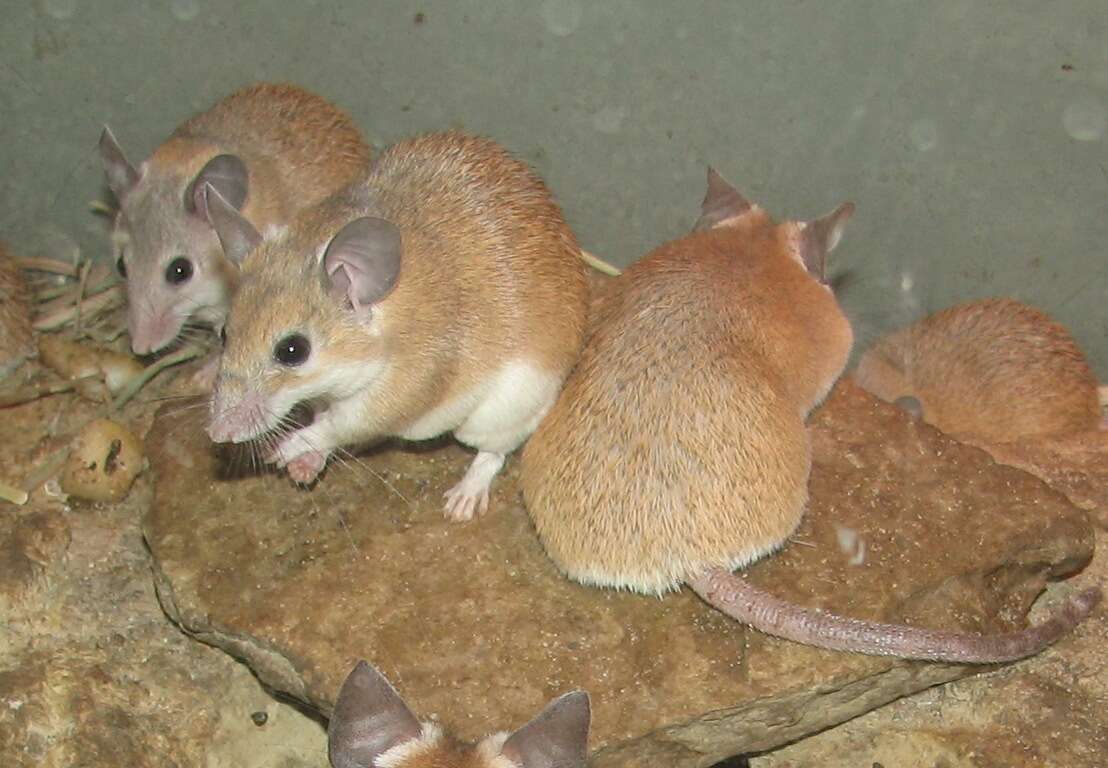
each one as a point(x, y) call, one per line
point(362, 262)
point(819, 237)
point(369, 718)
point(558, 737)
point(237, 235)
point(722, 201)
point(228, 175)
point(120, 173)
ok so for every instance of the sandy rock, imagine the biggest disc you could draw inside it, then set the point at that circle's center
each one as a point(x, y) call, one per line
point(1074, 465)
point(475, 625)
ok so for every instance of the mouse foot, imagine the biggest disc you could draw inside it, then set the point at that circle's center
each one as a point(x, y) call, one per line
point(306, 467)
point(470, 497)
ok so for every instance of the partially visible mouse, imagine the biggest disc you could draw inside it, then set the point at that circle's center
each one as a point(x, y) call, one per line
point(442, 292)
point(995, 369)
point(372, 726)
point(677, 451)
point(270, 150)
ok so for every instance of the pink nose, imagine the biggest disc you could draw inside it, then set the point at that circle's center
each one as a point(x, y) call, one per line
point(149, 333)
point(237, 420)
point(218, 430)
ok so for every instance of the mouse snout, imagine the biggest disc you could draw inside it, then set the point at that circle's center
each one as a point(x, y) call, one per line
point(236, 416)
point(150, 331)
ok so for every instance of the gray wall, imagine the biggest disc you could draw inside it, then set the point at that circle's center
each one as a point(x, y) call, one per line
point(971, 134)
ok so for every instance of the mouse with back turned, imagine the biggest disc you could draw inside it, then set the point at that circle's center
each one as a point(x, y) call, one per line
point(269, 149)
point(996, 370)
point(442, 292)
point(372, 726)
point(677, 451)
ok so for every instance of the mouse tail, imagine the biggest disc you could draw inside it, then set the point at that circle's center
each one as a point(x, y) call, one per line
point(741, 600)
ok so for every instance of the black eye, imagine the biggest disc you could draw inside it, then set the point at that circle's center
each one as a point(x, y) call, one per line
point(178, 271)
point(292, 350)
point(121, 267)
point(223, 336)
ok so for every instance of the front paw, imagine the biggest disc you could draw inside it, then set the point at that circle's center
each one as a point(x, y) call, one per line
point(306, 467)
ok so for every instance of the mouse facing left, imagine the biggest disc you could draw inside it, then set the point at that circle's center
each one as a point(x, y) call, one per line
point(371, 726)
point(677, 450)
point(440, 293)
point(270, 149)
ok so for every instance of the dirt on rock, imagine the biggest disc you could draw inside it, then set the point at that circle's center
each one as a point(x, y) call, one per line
point(93, 673)
point(474, 624)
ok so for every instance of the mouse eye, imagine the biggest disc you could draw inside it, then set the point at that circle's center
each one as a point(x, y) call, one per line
point(178, 271)
point(292, 350)
point(121, 267)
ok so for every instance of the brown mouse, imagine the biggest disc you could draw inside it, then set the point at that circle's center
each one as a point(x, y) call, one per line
point(372, 726)
point(677, 451)
point(996, 369)
point(442, 292)
point(269, 149)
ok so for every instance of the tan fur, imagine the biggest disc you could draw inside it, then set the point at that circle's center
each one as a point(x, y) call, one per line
point(721, 342)
point(449, 752)
point(16, 341)
point(490, 273)
point(283, 133)
point(995, 369)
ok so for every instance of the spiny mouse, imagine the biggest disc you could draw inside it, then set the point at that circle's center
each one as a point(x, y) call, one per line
point(269, 149)
point(995, 369)
point(442, 292)
point(372, 726)
point(677, 451)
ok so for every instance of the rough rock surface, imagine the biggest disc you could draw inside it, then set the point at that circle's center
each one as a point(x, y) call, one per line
point(1074, 465)
point(475, 626)
point(91, 672)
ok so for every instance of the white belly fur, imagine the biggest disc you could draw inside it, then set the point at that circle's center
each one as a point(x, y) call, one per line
point(497, 416)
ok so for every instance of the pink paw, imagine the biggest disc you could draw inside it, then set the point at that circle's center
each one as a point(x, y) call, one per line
point(306, 467)
point(462, 505)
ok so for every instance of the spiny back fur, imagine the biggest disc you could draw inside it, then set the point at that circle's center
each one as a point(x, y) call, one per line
point(269, 123)
point(994, 369)
point(678, 442)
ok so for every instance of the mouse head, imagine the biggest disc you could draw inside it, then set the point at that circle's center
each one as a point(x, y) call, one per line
point(808, 242)
point(163, 242)
point(311, 320)
point(808, 338)
point(372, 726)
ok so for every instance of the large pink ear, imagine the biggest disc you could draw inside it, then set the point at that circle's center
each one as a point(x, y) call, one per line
point(237, 235)
point(722, 201)
point(120, 173)
point(820, 236)
point(369, 719)
point(558, 737)
point(227, 175)
point(362, 262)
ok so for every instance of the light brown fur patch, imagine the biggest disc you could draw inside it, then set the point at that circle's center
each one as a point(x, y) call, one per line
point(721, 322)
point(994, 369)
